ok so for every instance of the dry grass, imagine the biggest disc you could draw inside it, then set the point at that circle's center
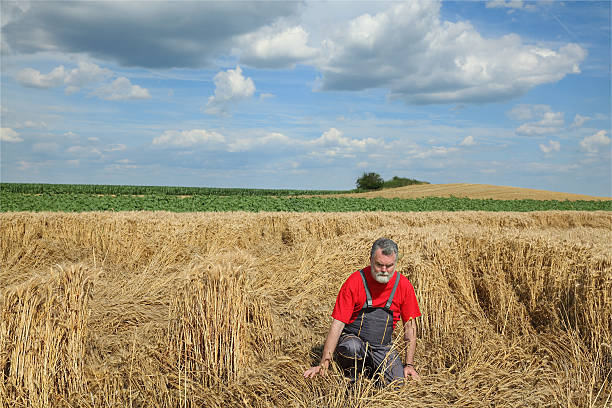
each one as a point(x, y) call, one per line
point(479, 191)
point(185, 310)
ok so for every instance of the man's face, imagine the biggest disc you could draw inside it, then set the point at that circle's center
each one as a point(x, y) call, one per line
point(383, 266)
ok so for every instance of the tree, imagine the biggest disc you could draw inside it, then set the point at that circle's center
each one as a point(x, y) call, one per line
point(370, 181)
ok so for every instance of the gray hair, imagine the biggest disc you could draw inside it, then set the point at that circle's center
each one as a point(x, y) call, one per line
point(387, 246)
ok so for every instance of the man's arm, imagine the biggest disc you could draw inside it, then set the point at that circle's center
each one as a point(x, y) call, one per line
point(410, 338)
point(328, 349)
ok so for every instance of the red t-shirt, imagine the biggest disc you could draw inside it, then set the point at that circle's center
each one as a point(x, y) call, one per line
point(352, 296)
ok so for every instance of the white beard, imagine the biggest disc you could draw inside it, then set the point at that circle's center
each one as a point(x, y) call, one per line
point(382, 277)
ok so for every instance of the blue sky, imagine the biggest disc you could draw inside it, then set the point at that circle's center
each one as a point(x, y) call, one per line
point(307, 95)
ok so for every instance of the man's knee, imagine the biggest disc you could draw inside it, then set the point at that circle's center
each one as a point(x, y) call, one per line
point(351, 347)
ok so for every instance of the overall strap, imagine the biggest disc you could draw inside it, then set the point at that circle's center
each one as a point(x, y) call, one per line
point(397, 279)
point(368, 302)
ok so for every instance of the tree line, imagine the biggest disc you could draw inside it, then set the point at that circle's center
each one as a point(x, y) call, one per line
point(373, 181)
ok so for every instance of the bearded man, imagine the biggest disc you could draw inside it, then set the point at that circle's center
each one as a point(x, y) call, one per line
point(370, 302)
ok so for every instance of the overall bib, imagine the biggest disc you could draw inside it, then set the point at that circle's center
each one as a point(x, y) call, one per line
point(365, 344)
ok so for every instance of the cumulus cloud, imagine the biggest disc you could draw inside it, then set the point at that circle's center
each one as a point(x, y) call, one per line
point(423, 60)
point(188, 138)
point(151, 34)
point(245, 144)
point(115, 147)
point(552, 146)
point(435, 151)
point(274, 48)
point(513, 4)
point(83, 151)
point(549, 121)
point(32, 125)
point(86, 73)
point(594, 144)
point(35, 79)
point(334, 138)
point(468, 141)
point(231, 87)
point(121, 89)
point(524, 112)
point(331, 143)
point(9, 135)
point(264, 96)
point(579, 120)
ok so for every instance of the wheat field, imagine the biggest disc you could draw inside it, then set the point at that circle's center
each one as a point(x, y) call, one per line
point(228, 309)
point(475, 191)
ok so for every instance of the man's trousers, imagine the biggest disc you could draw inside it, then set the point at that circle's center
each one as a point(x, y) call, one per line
point(356, 356)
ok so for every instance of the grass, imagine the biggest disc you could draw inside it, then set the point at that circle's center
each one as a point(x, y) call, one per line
point(228, 309)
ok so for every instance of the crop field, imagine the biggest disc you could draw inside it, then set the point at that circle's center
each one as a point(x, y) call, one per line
point(165, 309)
point(83, 198)
point(475, 191)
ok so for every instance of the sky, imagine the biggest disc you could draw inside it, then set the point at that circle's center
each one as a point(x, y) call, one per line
point(307, 95)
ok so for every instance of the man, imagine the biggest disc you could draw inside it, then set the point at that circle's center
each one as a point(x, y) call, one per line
point(368, 306)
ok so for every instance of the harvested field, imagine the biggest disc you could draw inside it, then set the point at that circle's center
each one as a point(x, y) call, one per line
point(479, 191)
point(228, 309)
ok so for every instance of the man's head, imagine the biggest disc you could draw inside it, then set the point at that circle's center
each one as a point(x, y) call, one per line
point(383, 258)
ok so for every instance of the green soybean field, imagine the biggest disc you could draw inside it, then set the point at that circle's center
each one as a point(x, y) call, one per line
point(82, 198)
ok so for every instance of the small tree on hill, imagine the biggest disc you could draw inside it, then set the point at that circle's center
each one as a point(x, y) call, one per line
point(370, 181)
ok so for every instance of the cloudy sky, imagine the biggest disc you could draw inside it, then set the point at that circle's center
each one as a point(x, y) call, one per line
point(307, 95)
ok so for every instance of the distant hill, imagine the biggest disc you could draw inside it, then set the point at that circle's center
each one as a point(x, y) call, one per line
point(467, 190)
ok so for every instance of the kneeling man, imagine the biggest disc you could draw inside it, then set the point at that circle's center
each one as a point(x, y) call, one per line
point(368, 306)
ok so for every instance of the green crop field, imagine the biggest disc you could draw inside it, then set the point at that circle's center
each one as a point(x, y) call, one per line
point(81, 198)
point(40, 188)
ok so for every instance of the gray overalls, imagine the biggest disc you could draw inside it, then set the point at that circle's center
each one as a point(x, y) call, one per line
point(366, 342)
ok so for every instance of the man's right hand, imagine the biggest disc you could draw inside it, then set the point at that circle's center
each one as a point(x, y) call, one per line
point(321, 369)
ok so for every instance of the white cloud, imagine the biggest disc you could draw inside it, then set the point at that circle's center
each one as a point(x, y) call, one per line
point(550, 122)
point(331, 143)
point(244, 144)
point(595, 143)
point(121, 89)
point(188, 138)
point(579, 120)
point(35, 125)
point(468, 141)
point(265, 96)
point(552, 146)
point(274, 48)
point(435, 151)
point(115, 148)
point(34, 79)
point(514, 4)
point(423, 60)
point(82, 151)
point(9, 135)
point(231, 88)
point(524, 112)
point(334, 138)
point(71, 135)
point(87, 73)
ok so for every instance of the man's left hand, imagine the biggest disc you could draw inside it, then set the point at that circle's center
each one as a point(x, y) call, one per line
point(410, 372)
